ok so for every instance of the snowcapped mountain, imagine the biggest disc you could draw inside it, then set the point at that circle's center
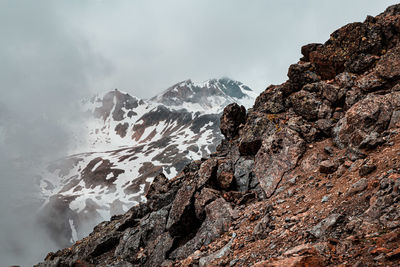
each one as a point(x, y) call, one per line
point(210, 96)
point(129, 141)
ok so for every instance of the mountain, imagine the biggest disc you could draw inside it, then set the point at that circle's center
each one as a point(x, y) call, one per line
point(309, 176)
point(129, 141)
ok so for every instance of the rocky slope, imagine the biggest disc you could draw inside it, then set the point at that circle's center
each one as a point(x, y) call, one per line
point(129, 141)
point(310, 176)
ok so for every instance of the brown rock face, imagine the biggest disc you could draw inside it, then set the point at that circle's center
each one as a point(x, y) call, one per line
point(389, 65)
point(372, 114)
point(233, 116)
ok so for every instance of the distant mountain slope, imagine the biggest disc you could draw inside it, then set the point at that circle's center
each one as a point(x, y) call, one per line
point(129, 142)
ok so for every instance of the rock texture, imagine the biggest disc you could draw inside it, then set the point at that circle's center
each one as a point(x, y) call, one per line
point(310, 177)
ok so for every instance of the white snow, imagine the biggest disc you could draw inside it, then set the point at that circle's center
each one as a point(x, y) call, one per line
point(97, 165)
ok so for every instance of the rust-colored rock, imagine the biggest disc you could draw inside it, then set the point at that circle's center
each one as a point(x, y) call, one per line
point(233, 116)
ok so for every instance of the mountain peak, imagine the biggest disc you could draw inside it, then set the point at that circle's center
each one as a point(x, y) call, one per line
point(209, 96)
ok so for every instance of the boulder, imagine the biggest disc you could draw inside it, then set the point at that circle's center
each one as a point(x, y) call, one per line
point(272, 100)
point(326, 224)
point(301, 74)
point(306, 104)
point(232, 117)
point(372, 114)
point(279, 154)
point(181, 215)
point(202, 199)
point(328, 166)
point(251, 135)
point(218, 220)
point(243, 174)
point(388, 67)
point(367, 169)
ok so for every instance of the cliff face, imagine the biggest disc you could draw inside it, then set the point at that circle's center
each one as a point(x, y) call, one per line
point(310, 176)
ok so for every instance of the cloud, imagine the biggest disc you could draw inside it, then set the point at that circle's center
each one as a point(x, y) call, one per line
point(45, 70)
point(154, 44)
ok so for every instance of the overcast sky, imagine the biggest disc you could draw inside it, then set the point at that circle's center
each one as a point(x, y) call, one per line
point(144, 47)
point(53, 53)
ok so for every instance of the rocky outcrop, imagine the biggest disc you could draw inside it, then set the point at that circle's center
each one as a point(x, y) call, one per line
point(233, 116)
point(309, 176)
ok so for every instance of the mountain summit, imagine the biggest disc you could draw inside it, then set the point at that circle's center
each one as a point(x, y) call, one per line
point(210, 96)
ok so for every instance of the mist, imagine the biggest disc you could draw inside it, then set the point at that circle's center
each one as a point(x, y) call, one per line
point(44, 72)
point(55, 53)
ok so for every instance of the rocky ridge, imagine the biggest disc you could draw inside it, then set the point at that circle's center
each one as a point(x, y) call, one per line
point(310, 176)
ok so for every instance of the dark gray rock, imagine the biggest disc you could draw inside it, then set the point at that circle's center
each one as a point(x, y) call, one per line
point(243, 173)
point(326, 224)
point(218, 220)
point(367, 169)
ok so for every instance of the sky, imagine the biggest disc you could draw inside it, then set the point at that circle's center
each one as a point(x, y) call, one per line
point(54, 53)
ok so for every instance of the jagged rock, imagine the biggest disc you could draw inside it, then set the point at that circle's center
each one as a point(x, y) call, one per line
point(371, 141)
point(159, 193)
point(370, 82)
point(258, 124)
point(354, 154)
point(367, 169)
point(306, 104)
point(148, 234)
point(326, 224)
point(202, 199)
point(263, 227)
point(395, 120)
point(304, 128)
point(388, 66)
point(225, 180)
point(232, 117)
point(360, 63)
point(225, 174)
point(371, 114)
point(188, 215)
point(158, 253)
point(307, 49)
point(324, 126)
point(104, 244)
point(345, 80)
point(218, 220)
point(180, 217)
point(344, 47)
point(243, 173)
point(301, 74)
point(278, 155)
point(207, 172)
point(358, 187)
point(272, 99)
point(328, 166)
point(204, 261)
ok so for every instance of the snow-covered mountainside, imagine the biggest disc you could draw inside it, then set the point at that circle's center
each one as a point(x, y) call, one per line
point(129, 142)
